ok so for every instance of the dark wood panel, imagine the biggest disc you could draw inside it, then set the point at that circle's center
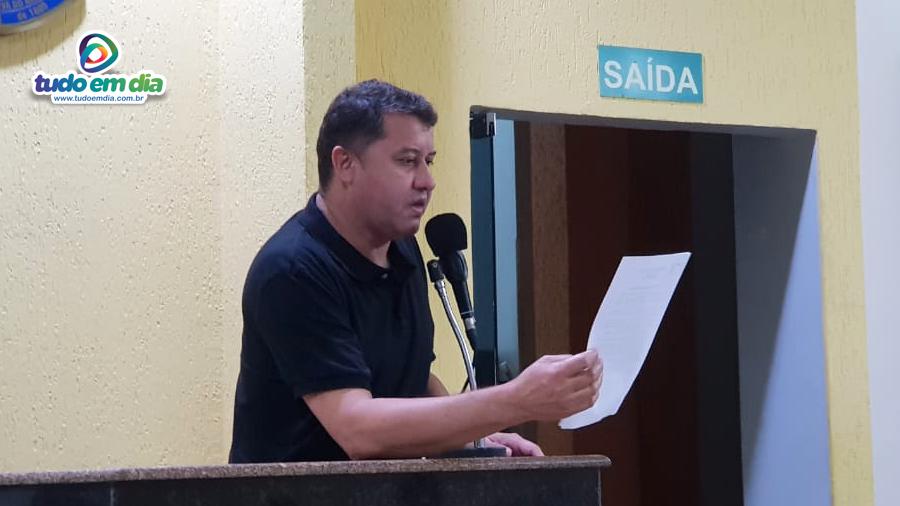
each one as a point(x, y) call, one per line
point(660, 215)
point(599, 194)
point(635, 192)
point(543, 258)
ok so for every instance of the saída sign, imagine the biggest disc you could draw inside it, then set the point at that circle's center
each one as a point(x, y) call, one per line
point(650, 74)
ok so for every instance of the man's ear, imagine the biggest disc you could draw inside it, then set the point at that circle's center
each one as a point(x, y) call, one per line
point(343, 162)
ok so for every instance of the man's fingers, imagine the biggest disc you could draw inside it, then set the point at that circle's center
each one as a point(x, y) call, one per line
point(580, 391)
point(584, 361)
point(580, 401)
point(584, 388)
point(519, 446)
point(578, 382)
point(528, 449)
point(555, 358)
point(493, 444)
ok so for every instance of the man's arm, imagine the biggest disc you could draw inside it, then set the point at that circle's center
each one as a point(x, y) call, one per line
point(516, 445)
point(436, 388)
point(365, 427)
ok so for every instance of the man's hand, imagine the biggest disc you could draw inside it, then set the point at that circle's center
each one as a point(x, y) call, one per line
point(556, 386)
point(516, 445)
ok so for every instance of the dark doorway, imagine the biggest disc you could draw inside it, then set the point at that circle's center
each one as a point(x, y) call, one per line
point(586, 196)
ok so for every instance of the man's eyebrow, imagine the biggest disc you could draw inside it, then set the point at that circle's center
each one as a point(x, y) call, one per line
point(414, 151)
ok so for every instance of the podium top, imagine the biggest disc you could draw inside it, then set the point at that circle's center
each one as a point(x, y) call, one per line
point(303, 469)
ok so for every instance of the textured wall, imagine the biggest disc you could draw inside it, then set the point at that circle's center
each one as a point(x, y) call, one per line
point(127, 230)
point(261, 113)
point(770, 63)
point(329, 41)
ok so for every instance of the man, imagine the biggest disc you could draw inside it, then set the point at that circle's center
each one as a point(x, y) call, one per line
point(338, 336)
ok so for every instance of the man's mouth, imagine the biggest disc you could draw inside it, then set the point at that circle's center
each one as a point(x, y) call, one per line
point(419, 206)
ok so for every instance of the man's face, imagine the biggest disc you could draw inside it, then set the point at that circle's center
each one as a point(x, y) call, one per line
point(393, 184)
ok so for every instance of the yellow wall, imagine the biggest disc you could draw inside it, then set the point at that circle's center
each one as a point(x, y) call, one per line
point(787, 63)
point(329, 49)
point(127, 230)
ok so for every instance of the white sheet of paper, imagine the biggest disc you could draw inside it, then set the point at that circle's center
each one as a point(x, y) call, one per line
point(625, 326)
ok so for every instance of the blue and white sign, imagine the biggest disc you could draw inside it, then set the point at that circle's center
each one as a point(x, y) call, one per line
point(19, 15)
point(650, 74)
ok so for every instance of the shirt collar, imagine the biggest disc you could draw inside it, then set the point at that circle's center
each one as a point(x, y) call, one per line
point(402, 260)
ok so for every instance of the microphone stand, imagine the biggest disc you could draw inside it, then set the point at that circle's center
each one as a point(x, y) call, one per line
point(437, 278)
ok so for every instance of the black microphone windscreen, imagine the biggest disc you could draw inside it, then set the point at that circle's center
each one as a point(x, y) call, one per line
point(446, 233)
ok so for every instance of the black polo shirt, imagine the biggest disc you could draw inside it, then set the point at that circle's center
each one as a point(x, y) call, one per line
point(320, 316)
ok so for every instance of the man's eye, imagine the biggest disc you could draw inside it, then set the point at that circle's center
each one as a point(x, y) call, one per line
point(408, 161)
point(429, 162)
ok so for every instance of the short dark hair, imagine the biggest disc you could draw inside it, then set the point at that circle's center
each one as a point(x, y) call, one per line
point(355, 119)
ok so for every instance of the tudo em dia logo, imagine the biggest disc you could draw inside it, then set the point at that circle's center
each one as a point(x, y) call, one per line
point(98, 52)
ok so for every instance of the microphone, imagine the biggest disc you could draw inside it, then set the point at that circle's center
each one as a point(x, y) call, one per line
point(446, 234)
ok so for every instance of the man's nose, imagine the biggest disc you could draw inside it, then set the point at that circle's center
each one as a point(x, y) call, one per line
point(424, 179)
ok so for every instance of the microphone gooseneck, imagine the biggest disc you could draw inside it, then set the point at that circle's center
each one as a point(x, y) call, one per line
point(437, 278)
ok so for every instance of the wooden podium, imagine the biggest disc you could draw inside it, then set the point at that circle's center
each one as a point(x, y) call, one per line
point(433, 482)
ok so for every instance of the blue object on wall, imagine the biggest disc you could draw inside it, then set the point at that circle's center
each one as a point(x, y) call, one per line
point(19, 15)
point(650, 74)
